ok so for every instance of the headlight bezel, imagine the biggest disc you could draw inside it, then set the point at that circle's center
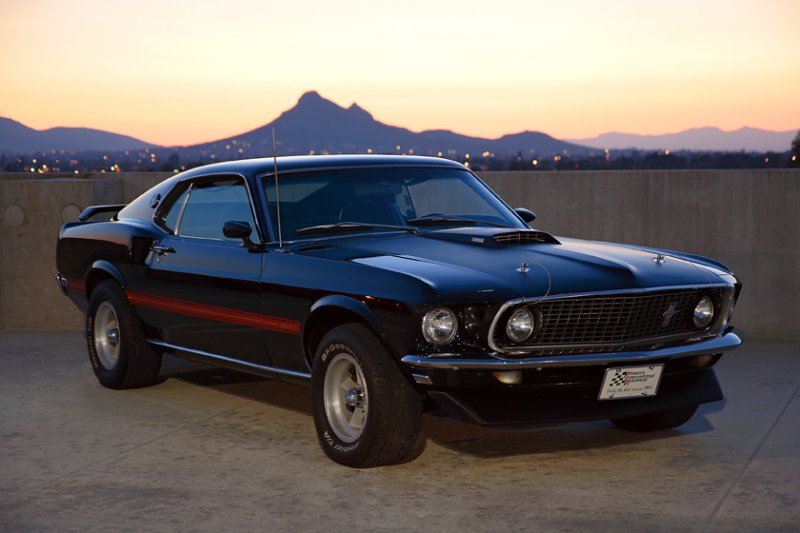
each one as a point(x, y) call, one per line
point(430, 316)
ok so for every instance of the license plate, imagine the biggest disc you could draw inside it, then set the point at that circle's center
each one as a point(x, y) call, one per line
point(631, 382)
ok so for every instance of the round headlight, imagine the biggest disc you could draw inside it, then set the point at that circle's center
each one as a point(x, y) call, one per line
point(439, 326)
point(703, 312)
point(520, 325)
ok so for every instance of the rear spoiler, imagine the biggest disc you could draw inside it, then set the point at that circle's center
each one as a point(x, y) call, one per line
point(93, 210)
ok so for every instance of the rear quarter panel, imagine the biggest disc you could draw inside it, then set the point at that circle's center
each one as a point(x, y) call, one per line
point(121, 244)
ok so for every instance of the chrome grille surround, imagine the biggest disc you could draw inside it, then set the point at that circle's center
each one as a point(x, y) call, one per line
point(612, 321)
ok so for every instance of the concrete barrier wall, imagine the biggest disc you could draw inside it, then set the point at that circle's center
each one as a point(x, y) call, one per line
point(32, 209)
point(749, 220)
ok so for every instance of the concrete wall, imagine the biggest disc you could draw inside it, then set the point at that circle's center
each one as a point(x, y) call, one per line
point(32, 209)
point(749, 220)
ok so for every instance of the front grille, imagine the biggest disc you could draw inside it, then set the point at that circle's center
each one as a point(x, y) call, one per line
point(606, 322)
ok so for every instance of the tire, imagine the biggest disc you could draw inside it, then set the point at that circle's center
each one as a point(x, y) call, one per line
point(669, 418)
point(365, 411)
point(120, 356)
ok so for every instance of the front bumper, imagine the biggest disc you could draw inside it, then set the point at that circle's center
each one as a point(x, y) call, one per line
point(572, 402)
point(564, 388)
point(726, 342)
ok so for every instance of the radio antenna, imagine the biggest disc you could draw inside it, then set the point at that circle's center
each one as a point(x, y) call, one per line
point(277, 193)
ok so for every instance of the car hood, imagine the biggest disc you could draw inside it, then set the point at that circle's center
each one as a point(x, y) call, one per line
point(467, 261)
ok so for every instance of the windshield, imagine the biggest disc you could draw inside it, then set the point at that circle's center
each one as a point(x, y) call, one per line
point(422, 197)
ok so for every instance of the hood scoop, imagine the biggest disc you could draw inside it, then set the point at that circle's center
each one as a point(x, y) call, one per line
point(524, 237)
point(491, 237)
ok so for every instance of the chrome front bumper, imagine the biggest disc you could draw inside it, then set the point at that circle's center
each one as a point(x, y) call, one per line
point(726, 342)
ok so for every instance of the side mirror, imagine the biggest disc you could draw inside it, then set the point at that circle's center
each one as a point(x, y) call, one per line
point(525, 214)
point(237, 229)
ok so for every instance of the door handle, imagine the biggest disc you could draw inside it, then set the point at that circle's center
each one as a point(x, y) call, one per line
point(162, 250)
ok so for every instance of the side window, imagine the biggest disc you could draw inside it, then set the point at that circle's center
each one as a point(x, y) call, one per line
point(210, 205)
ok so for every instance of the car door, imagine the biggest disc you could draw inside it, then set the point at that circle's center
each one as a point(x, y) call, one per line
point(202, 289)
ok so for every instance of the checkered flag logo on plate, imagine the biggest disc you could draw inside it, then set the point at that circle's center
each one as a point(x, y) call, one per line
point(620, 378)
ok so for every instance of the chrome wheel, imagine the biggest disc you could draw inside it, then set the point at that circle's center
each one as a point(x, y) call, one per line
point(106, 335)
point(345, 397)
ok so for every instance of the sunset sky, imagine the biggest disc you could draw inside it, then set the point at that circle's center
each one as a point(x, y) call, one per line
point(182, 72)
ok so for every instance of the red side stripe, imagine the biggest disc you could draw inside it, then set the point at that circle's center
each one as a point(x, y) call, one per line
point(213, 312)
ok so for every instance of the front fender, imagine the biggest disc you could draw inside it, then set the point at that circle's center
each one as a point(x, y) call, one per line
point(338, 305)
point(351, 304)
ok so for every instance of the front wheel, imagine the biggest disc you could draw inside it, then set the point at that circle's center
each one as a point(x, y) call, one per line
point(366, 413)
point(667, 419)
point(120, 356)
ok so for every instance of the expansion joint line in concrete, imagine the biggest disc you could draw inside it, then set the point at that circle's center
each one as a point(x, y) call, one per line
point(710, 521)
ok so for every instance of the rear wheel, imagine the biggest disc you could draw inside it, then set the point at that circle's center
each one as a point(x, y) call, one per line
point(365, 411)
point(120, 356)
point(669, 418)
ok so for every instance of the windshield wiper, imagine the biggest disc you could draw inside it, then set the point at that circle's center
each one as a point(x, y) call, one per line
point(451, 221)
point(340, 227)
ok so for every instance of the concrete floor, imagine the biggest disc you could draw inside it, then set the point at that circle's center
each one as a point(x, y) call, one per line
point(222, 451)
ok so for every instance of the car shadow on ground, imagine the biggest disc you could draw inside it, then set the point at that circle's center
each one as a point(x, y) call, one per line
point(461, 437)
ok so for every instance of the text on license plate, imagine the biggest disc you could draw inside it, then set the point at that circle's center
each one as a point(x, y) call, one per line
point(630, 382)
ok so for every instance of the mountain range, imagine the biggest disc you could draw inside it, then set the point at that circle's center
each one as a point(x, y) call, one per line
point(318, 125)
point(322, 126)
point(697, 139)
point(18, 138)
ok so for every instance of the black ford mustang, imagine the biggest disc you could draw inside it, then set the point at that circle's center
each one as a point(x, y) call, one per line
point(394, 284)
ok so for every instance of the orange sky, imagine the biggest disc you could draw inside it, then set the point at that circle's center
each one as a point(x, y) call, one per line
point(181, 72)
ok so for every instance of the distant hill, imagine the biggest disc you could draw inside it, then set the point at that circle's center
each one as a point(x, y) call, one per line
point(18, 138)
point(318, 125)
point(321, 125)
point(698, 139)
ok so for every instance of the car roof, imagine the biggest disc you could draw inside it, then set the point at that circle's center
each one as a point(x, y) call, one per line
point(142, 207)
point(266, 165)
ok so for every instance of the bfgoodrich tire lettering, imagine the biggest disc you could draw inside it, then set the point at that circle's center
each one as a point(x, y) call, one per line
point(374, 417)
point(120, 356)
